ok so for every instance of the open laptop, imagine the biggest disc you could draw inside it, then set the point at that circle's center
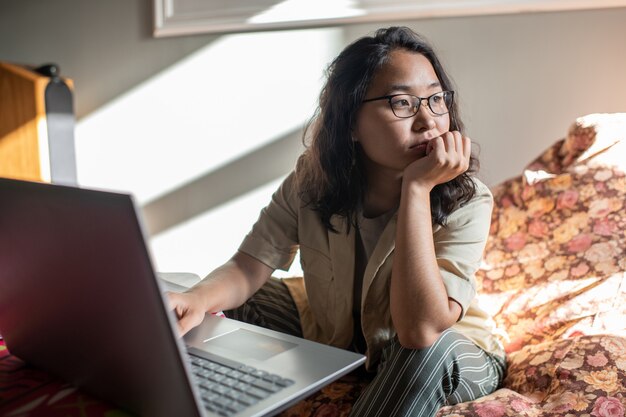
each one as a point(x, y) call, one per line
point(79, 298)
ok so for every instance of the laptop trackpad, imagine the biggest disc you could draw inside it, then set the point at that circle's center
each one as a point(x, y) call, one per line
point(244, 344)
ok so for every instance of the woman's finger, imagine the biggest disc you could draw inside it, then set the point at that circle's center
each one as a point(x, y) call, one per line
point(171, 299)
point(467, 147)
point(458, 142)
point(450, 142)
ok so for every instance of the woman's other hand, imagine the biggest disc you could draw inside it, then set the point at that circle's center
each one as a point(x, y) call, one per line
point(189, 309)
point(225, 288)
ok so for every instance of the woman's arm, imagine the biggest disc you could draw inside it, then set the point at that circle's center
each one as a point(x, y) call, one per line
point(227, 287)
point(420, 306)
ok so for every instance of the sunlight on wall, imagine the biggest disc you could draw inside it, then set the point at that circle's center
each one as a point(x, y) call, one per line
point(205, 242)
point(234, 95)
point(212, 238)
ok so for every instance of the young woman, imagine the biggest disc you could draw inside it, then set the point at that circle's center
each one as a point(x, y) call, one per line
point(391, 227)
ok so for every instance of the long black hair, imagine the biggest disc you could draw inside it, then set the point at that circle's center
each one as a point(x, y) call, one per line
point(331, 174)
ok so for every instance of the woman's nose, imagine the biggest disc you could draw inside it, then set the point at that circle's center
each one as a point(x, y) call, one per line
point(423, 119)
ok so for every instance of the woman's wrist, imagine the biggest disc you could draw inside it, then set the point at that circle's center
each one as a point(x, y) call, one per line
point(417, 188)
point(201, 294)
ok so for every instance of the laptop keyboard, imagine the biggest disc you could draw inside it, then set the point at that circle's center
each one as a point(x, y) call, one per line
point(229, 390)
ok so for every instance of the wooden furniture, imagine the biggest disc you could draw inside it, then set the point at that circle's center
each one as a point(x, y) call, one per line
point(36, 125)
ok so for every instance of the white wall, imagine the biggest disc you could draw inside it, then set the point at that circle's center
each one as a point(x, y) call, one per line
point(156, 118)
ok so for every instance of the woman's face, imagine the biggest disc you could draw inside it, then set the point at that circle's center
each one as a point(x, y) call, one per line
point(389, 142)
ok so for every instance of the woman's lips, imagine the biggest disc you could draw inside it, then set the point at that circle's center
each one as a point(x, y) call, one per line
point(420, 148)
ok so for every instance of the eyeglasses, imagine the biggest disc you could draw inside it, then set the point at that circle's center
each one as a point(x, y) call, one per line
point(407, 105)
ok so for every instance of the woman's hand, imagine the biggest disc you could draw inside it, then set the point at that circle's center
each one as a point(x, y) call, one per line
point(447, 157)
point(189, 309)
point(225, 288)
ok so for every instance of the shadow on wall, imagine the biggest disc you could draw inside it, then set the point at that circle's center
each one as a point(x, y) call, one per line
point(230, 181)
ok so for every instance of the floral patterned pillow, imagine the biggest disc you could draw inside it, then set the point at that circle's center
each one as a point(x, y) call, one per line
point(555, 260)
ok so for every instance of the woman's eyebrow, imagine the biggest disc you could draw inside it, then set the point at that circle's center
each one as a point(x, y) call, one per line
point(398, 87)
point(407, 88)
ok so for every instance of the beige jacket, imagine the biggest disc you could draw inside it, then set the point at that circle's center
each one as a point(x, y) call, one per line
point(325, 296)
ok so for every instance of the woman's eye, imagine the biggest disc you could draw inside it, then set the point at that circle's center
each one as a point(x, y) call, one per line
point(437, 98)
point(401, 103)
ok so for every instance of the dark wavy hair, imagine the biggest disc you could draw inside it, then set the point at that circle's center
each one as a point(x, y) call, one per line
point(330, 172)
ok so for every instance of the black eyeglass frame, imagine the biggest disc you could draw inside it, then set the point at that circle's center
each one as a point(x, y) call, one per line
point(390, 97)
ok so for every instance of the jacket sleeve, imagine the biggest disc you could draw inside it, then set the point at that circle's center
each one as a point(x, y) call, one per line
point(460, 244)
point(273, 239)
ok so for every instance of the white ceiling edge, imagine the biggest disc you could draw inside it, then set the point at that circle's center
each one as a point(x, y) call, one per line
point(168, 22)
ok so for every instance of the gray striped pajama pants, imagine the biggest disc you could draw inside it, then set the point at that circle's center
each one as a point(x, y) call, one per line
point(407, 382)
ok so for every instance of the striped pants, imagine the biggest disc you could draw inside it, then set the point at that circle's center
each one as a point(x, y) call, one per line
point(407, 382)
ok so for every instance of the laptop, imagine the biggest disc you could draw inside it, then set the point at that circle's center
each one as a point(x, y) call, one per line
point(79, 297)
